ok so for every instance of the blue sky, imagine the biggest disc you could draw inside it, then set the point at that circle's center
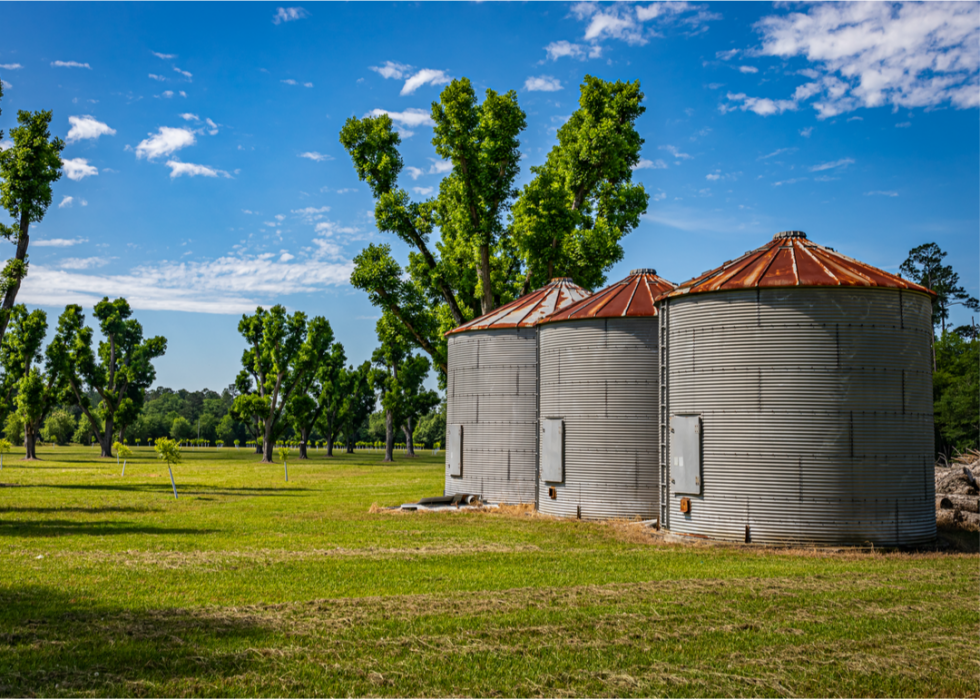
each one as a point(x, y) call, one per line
point(204, 174)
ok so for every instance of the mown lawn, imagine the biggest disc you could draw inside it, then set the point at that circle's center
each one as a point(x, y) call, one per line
point(248, 585)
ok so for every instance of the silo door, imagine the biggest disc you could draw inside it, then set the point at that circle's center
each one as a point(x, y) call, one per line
point(685, 454)
point(454, 449)
point(552, 450)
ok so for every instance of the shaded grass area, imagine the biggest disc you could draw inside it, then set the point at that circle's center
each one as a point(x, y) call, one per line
point(248, 585)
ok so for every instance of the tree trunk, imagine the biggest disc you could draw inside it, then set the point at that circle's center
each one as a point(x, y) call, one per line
point(106, 439)
point(389, 436)
point(409, 431)
point(485, 279)
point(330, 434)
point(30, 442)
point(11, 296)
point(303, 436)
point(267, 445)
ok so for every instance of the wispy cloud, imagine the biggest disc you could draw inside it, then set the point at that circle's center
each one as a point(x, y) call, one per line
point(290, 81)
point(85, 127)
point(423, 191)
point(790, 181)
point(645, 164)
point(166, 141)
point(440, 167)
point(748, 69)
point(289, 14)
point(78, 168)
point(843, 162)
point(10, 66)
point(69, 64)
point(542, 83)
point(164, 56)
point(83, 262)
point(563, 49)
point(778, 151)
point(637, 24)
point(675, 152)
point(187, 116)
point(185, 73)
point(159, 78)
point(178, 169)
point(66, 202)
point(881, 193)
point(410, 117)
point(58, 242)
point(426, 76)
point(317, 157)
point(414, 172)
point(760, 105)
point(391, 69)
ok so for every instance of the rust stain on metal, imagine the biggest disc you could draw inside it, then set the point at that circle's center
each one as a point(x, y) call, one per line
point(632, 297)
point(685, 505)
point(529, 310)
point(789, 259)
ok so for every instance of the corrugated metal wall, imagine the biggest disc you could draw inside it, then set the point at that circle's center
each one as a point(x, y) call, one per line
point(492, 391)
point(600, 377)
point(817, 414)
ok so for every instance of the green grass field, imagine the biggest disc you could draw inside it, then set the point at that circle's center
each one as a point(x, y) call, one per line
point(248, 585)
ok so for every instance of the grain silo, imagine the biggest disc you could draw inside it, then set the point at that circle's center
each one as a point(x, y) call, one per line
point(799, 401)
point(492, 394)
point(599, 405)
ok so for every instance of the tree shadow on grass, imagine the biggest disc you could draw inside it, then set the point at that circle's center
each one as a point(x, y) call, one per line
point(52, 643)
point(82, 510)
point(165, 487)
point(67, 527)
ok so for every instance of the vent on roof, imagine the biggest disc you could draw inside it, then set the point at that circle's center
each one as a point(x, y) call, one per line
point(789, 234)
point(643, 270)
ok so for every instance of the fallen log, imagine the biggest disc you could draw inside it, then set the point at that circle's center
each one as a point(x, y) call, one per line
point(969, 503)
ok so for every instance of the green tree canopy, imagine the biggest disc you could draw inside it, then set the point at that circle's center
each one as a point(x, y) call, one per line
point(27, 170)
point(120, 371)
point(924, 266)
point(495, 241)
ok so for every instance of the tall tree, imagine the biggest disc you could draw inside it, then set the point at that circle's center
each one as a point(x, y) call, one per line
point(322, 393)
point(33, 392)
point(924, 266)
point(494, 241)
point(358, 401)
point(121, 368)
point(283, 354)
point(28, 168)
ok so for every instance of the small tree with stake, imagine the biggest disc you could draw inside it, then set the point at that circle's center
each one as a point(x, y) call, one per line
point(4, 449)
point(122, 451)
point(169, 451)
point(283, 455)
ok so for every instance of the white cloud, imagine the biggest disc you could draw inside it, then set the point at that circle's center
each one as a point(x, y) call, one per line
point(286, 257)
point(6, 85)
point(760, 105)
point(166, 141)
point(645, 164)
point(410, 117)
point(313, 155)
point(660, 195)
point(440, 167)
point(83, 262)
point(562, 49)
point(154, 76)
point(542, 83)
point(855, 118)
point(884, 194)
point(289, 14)
point(727, 55)
point(5, 144)
point(66, 202)
point(83, 202)
point(713, 176)
point(58, 242)
point(70, 64)
point(805, 133)
point(748, 69)
point(778, 151)
point(167, 94)
point(675, 152)
point(164, 56)
point(876, 54)
point(392, 70)
point(311, 214)
point(182, 93)
point(426, 76)
point(289, 81)
point(415, 172)
point(903, 125)
point(307, 84)
point(78, 168)
point(213, 127)
point(177, 169)
point(10, 66)
point(843, 162)
point(184, 73)
point(626, 21)
point(187, 116)
point(83, 127)
point(792, 181)
point(423, 191)
point(231, 284)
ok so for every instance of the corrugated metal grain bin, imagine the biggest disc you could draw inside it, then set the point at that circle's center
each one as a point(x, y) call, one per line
point(798, 401)
point(492, 396)
point(599, 404)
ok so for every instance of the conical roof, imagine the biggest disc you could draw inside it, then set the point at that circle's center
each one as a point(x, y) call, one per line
point(530, 309)
point(632, 297)
point(789, 259)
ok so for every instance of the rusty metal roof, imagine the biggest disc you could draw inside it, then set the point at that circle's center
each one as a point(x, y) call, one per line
point(789, 259)
point(530, 309)
point(632, 297)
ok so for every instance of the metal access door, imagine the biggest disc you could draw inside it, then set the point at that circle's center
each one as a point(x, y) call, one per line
point(553, 450)
point(454, 450)
point(685, 454)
